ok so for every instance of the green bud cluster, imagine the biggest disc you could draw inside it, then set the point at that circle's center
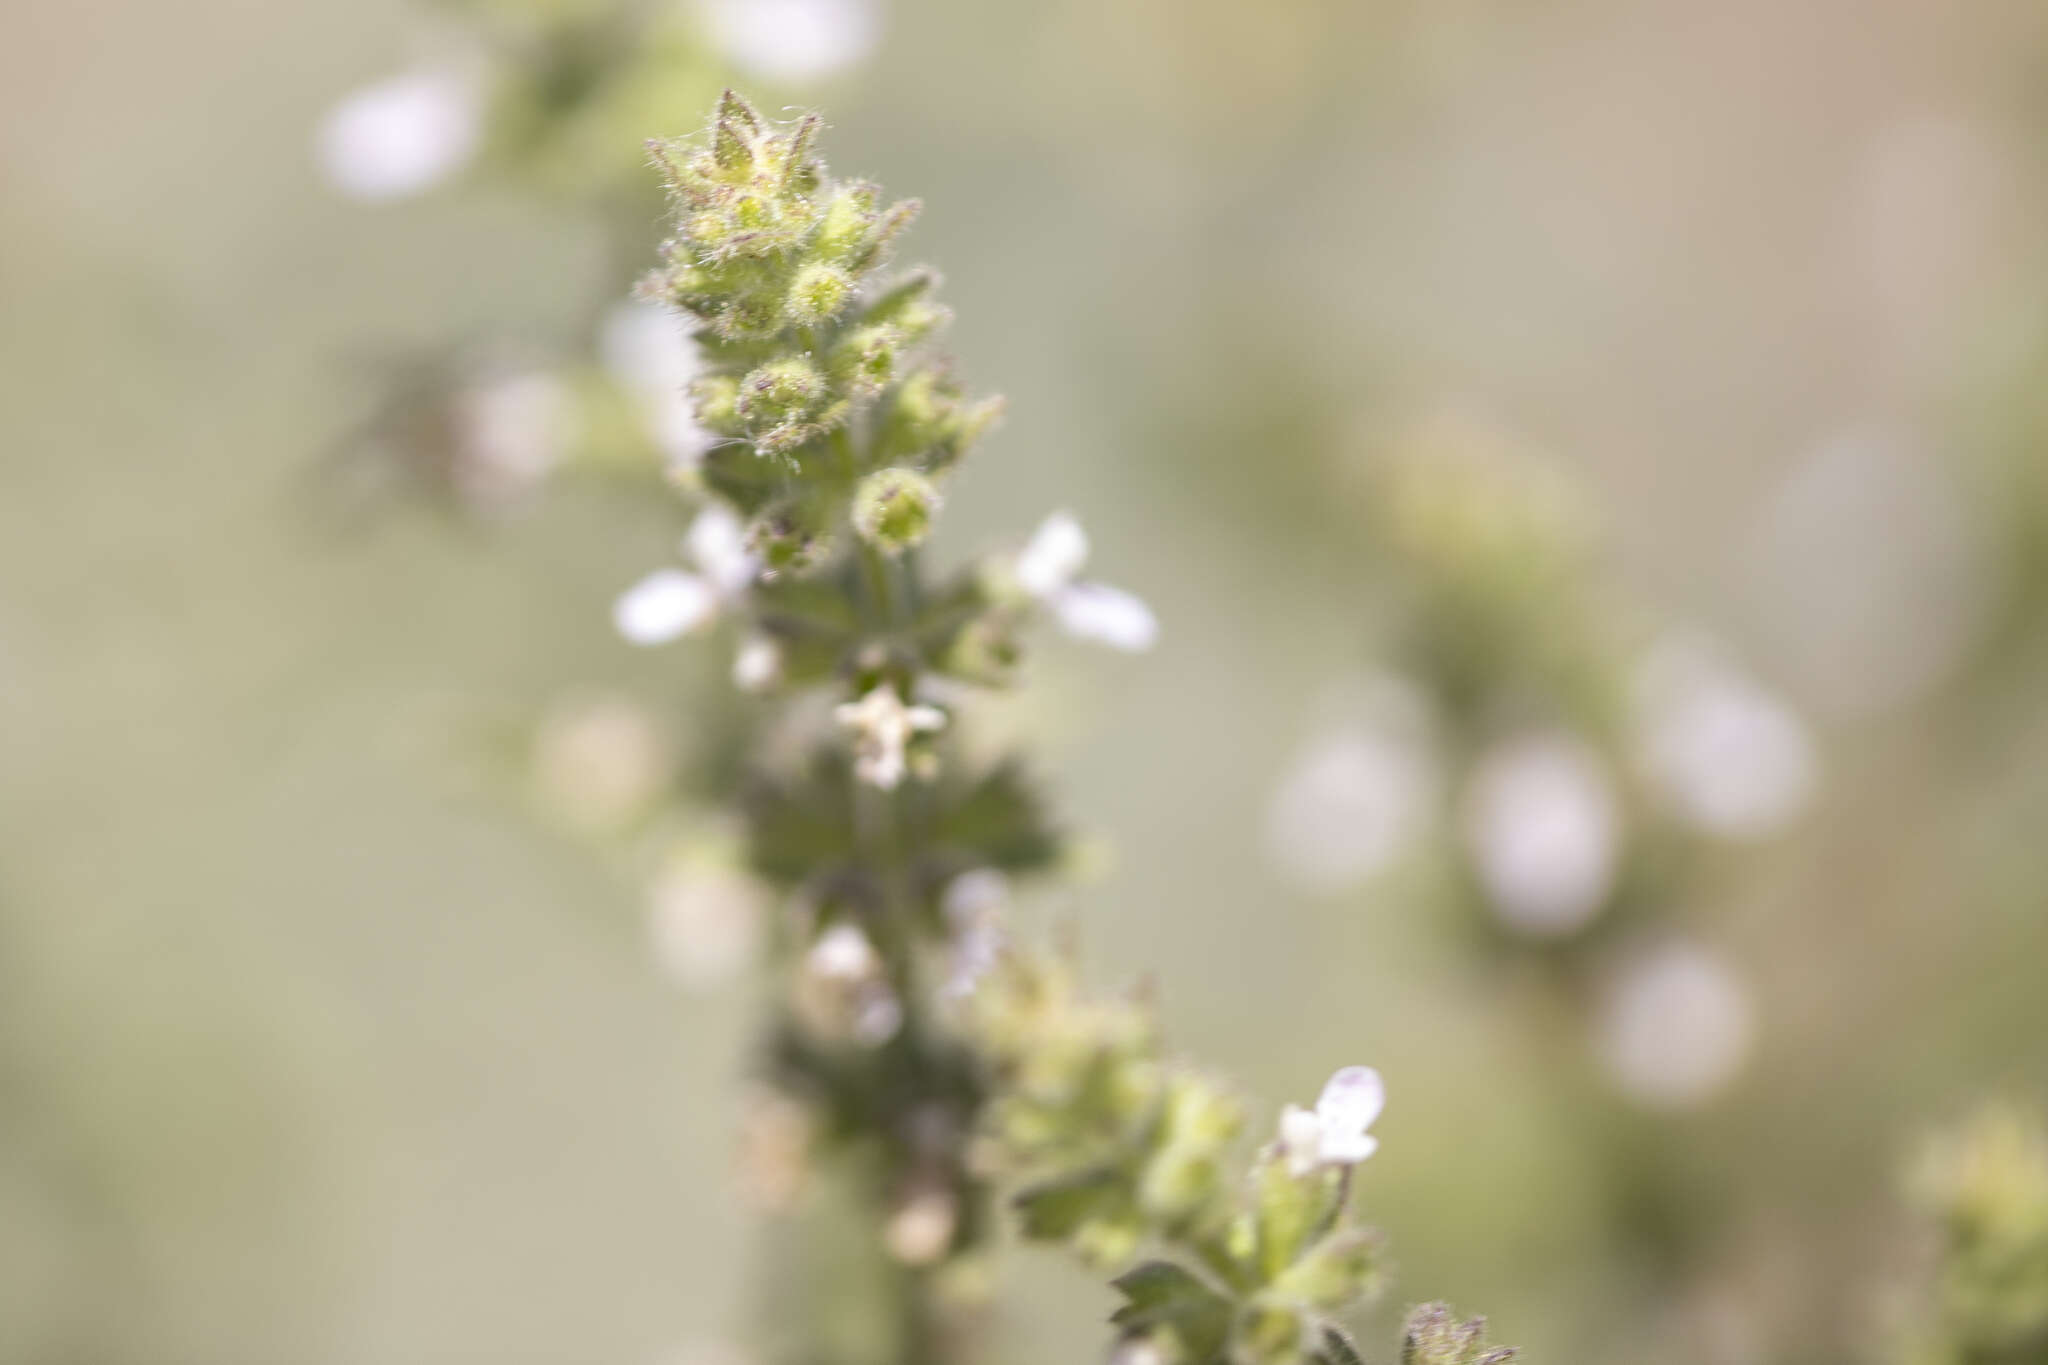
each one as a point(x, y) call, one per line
point(831, 409)
point(1985, 1188)
point(1121, 1150)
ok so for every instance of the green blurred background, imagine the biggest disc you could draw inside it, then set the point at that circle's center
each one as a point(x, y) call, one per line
point(317, 1046)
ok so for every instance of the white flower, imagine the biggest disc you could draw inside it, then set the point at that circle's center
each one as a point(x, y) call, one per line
point(705, 920)
point(793, 40)
point(843, 953)
point(510, 433)
point(973, 904)
point(758, 664)
point(877, 1015)
point(1358, 796)
point(1334, 1132)
point(975, 894)
point(648, 352)
point(1047, 569)
point(1732, 758)
point(1676, 1026)
point(601, 761)
point(402, 136)
point(671, 602)
point(1541, 823)
point(883, 727)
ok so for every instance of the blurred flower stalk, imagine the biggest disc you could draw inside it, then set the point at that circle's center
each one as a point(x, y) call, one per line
point(1570, 774)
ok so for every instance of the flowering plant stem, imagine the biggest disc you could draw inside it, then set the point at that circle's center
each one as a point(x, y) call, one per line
point(940, 1060)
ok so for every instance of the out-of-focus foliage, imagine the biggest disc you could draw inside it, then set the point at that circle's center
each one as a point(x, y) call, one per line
point(1984, 1188)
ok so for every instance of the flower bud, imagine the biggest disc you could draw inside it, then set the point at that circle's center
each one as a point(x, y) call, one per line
point(817, 294)
point(779, 391)
point(893, 509)
point(786, 541)
point(717, 397)
point(844, 225)
point(865, 362)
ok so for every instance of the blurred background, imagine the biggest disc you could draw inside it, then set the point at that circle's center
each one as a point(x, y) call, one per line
point(323, 1039)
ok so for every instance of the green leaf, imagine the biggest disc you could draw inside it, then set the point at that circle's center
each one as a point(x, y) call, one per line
point(1059, 1208)
point(1166, 1295)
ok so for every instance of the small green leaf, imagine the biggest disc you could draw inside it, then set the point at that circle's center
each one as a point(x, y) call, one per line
point(1058, 1208)
point(1165, 1295)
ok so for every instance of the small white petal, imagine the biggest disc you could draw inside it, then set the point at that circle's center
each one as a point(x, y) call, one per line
point(664, 605)
point(1301, 1139)
point(1106, 615)
point(793, 40)
point(1351, 1100)
point(717, 544)
point(1347, 1149)
point(1054, 554)
point(401, 136)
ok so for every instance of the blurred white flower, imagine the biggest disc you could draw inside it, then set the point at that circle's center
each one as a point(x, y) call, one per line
point(1732, 758)
point(920, 1227)
point(600, 761)
point(1356, 797)
point(882, 730)
point(1334, 1132)
point(878, 1014)
point(510, 433)
point(647, 350)
point(1047, 569)
point(974, 894)
point(669, 603)
point(973, 904)
point(1541, 824)
point(793, 41)
point(757, 666)
point(705, 920)
point(844, 991)
point(403, 135)
point(1138, 1350)
point(843, 953)
point(1676, 1026)
point(1867, 571)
